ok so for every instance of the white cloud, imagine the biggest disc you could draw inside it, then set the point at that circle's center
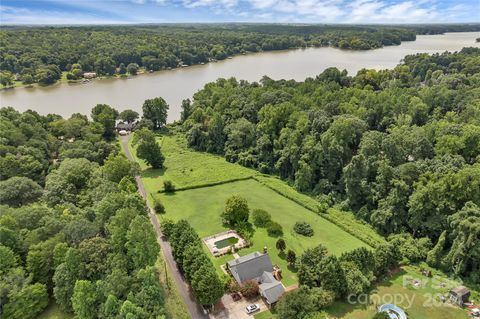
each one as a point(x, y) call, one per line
point(303, 11)
point(209, 3)
point(262, 4)
point(13, 15)
point(421, 11)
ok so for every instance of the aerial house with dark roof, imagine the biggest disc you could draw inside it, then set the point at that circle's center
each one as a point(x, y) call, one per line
point(257, 267)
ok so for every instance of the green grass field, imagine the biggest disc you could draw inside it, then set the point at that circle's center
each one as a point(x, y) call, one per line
point(345, 220)
point(202, 208)
point(187, 168)
point(418, 302)
point(174, 305)
point(422, 302)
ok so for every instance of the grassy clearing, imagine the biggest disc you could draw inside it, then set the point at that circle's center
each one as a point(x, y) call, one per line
point(174, 305)
point(54, 312)
point(187, 168)
point(344, 220)
point(190, 169)
point(202, 208)
point(267, 314)
point(416, 301)
point(19, 84)
point(419, 302)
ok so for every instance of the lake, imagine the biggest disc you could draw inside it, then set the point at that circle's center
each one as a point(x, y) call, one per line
point(175, 85)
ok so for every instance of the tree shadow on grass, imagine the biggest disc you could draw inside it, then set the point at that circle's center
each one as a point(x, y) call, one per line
point(292, 268)
point(389, 280)
point(152, 173)
point(246, 230)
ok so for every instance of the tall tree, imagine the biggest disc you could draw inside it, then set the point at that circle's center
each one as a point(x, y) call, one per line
point(84, 299)
point(148, 149)
point(155, 110)
point(464, 255)
point(207, 286)
point(27, 303)
point(142, 247)
point(105, 115)
point(236, 210)
point(18, 191)
point(186, 109)
point(66, 274)
point(128, 116)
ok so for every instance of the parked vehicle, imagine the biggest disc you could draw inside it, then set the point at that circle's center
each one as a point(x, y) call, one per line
point(252, 308)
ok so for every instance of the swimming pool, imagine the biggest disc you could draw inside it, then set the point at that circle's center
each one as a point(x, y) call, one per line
point(393, 311)
point(226, 242)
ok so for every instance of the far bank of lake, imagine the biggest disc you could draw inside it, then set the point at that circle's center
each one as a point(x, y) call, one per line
point(175, 85)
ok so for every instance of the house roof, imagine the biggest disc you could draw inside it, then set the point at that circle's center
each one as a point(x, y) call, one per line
point(124, 126)
point(271, 290)
point(267, 277)
point(251, 266)
point(460, 291)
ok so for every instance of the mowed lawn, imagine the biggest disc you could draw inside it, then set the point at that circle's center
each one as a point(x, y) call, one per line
point(202, 207)
point(419, 302)
point(186, 167)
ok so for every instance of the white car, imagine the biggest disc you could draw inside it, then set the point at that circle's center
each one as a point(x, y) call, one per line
point(252, 308)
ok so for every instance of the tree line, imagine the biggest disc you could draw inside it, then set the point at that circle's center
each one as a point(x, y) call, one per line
point(73, 227)
point(400, 148)
point(41, 54)
point(196, 266)
point(325, 278)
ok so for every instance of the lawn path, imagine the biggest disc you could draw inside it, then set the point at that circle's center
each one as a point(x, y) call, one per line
point(196, 311)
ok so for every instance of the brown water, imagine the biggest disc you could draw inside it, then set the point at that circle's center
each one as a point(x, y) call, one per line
point(175, 85)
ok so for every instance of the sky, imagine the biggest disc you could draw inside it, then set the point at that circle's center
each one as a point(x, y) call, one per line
point(271, 11)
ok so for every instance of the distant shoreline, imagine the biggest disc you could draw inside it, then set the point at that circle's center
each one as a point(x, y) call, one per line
point(143, 71)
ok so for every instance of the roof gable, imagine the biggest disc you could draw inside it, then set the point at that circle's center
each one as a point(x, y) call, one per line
point(272, 291)
point(250, 266)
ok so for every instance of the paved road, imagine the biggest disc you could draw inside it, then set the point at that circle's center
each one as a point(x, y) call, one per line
point(196, 311)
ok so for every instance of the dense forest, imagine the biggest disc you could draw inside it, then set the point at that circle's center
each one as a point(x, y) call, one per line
point(400, 148)
point(72, 226)
point(41, 54)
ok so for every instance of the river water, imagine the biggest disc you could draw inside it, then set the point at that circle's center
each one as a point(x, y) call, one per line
point(175, 85)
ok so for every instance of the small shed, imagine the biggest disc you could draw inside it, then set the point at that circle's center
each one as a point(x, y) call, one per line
point(459, 295)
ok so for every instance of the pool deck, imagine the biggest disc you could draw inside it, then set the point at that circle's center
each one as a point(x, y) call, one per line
point(211, 240)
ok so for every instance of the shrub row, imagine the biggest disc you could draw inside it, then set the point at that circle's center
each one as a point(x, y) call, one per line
point(185, 188)
point(263, 219)
point(193, 261)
